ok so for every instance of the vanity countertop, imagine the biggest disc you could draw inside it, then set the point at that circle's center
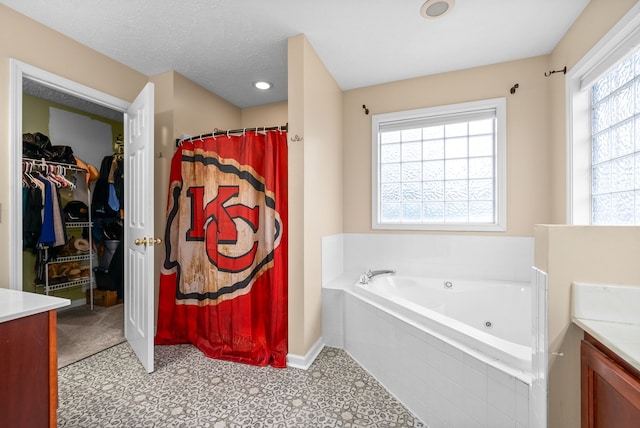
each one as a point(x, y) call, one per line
point(610, 314)
point(17, 304)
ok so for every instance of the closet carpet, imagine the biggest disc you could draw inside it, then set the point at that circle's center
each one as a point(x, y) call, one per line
point(187, 389)
point(82, 332)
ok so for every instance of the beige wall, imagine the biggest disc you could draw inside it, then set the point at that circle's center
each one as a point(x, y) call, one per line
point(599, 254)
point(34, 44)
point(527, 134)
point(275, 114)
point(315, 186)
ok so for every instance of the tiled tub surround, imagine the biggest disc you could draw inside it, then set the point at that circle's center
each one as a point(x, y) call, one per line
point(443, 382)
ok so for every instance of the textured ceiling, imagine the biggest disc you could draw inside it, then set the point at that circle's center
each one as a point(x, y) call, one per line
point(40, 90)
point(226, 45)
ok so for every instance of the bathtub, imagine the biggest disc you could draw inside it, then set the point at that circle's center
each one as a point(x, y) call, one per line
point(488, 319)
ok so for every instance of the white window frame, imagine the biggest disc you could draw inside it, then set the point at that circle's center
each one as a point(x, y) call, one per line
point(619, 42)
point(500, 164)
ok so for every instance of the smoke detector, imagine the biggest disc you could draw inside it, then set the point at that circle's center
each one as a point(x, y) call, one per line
point(434, 9)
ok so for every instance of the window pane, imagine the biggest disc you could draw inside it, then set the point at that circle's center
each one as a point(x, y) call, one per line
point(390, 173)
point(621, 74)
point(433, 132)
point(622, 142)
point(433, 170)
point(412, 212)
point(412, 171)
point(481, 190)
point(433, 149)
point(433, 190)
point(623, 207)
point(601, 209)
point(456, 190)
point(391, 212)
point(481, 167)
point(601, 177)
point(456, 212)
point(481, 145)
point(390, 153)
point(481, 212)
point(411, 152)
point(434, 212)
point(411, 192)
point(481, 127)
point(390, 192)
point(456, 169)
point(600, 116)
point(390, 137)
point(455, 148)
point(622, 174)
point(601, 148)
point(621, 106)
point(455, 130)
point(600, 90)
point(412, 135)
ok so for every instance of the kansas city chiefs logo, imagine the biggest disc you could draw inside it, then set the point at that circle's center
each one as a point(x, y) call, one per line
point(223, 235)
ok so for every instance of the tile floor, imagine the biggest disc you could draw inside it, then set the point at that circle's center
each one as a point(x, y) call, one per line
point(111, 389)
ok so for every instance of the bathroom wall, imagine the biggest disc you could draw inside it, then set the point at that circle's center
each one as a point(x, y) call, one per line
point(596, 254)
point(265, 115)
point(35, 44)
point(527, 134)
point(315, 186)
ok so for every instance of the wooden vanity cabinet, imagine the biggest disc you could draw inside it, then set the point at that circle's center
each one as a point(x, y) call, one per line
point(28, 371)
point(610, 388)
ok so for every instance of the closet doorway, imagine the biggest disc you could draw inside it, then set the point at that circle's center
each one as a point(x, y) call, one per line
point(138, 220)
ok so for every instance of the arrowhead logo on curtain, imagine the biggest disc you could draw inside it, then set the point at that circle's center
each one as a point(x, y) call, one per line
point(222, 236)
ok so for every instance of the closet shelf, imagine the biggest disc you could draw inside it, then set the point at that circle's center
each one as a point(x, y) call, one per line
point(76, 224)
point(62, 285)
point(78, 258)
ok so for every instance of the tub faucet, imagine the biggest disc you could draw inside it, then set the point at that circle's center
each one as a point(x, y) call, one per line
point(366, 277)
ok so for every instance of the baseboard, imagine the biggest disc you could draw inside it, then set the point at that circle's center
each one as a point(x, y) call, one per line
point(304, 361)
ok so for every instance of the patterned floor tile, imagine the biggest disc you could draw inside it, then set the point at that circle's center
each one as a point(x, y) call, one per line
point(111, 389)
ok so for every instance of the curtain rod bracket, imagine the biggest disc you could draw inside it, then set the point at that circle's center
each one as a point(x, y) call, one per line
point(513, 89)
point(366, 110)
point(563, 71)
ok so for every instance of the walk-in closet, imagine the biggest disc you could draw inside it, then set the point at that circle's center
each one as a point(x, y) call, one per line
point(73, 208)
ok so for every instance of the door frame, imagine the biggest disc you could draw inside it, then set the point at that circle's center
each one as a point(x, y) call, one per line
point(18, 71)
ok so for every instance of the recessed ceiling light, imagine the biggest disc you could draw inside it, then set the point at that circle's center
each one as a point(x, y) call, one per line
point(262, 85)
point(433, 9)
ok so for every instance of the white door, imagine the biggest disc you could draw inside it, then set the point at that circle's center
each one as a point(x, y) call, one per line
point(138, 233)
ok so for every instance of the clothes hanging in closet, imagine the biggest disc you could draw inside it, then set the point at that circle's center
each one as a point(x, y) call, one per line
point(43, 220)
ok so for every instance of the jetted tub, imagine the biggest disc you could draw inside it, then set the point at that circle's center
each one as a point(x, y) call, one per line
point(490, 318)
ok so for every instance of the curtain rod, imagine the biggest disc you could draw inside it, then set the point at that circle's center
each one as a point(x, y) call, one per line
point(217, 132)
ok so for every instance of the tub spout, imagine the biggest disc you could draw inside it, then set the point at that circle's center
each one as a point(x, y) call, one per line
point(368, 276)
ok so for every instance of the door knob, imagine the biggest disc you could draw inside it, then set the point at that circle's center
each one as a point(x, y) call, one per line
point(154, 241)
point(140, 241)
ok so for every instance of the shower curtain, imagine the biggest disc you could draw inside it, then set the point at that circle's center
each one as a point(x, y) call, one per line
point(223, 283)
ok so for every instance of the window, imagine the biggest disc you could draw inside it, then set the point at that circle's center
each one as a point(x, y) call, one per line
point(603, 130)
point(440, 168)
point(615, 154)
